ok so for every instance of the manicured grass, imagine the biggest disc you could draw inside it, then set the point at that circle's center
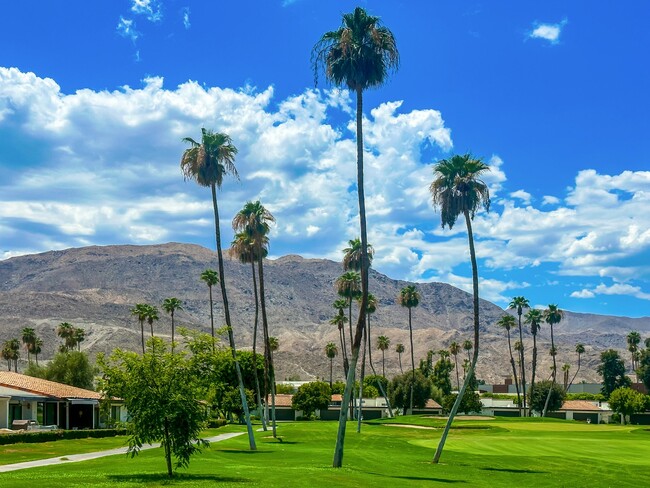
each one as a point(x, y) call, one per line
point(490, 453)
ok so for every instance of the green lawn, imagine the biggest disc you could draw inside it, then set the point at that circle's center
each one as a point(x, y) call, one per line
point(490, 453)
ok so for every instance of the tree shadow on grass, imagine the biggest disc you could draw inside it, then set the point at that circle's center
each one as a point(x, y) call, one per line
point(517, 471)
point(419, 478)
point(241, 451)
point(162, 478)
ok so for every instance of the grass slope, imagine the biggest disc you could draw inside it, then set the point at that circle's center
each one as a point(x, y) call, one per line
point(490, 453)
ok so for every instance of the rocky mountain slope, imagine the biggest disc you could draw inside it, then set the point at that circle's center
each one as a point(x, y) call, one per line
point(95, 288)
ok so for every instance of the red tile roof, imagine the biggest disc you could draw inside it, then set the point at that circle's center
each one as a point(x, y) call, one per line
point(432, 404)
point(45, 387)
point(337, 397)
point(282, 400)
point(579, 405)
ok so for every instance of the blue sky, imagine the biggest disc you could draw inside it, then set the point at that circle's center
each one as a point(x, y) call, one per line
point(96, 96)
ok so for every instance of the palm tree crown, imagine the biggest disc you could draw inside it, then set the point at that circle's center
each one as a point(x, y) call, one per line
point(352, 255)
point(359, 54)
point(458, 189)
point(207, 162)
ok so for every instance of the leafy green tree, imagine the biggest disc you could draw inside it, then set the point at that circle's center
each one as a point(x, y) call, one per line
point(534, 318)
point(382, 386)
point(644, 368)
point(399, 349)
point(409, 297)
point(426, 365)
point(383, 343)
point(359, 55)
point(612, 370)
point(376, 381)
point(163, 398)
point(338, 387)
point(312, 396)
point(507, 322)
point(538, 395)
point(457, 189)
point(331, 351)
point(399, 390)
point(518, 304)
point(552, 316)
point(140, 310)
point(170, 305)
point(626, 401)
point(70, 368)
point(207, 162)
point(471, 402)
point(441, 375)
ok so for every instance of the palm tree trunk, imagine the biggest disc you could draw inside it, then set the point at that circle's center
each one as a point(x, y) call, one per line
point(267, 344)
point(457, 375)
point(345, 358)
point(533, 369)
point(472, 366)
point(572, 379)
point(142, 334)
point(211, 316)
point(350, 326)
point(363, 374)
point(514, 373)
point(150, 326)
point(383, 361)
point(172, 313)
point(522, 368)
point(256, 376)
point(349, 385)
point(550, 390)
point(331, 370)
point(412, 361)
point(372, 367)
point(231, 337)
point(399, 355)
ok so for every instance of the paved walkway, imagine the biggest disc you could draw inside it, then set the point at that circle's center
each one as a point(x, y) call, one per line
point(74, 458)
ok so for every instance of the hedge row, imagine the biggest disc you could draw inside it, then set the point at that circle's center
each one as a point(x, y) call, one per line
point(216, 423)
point(57, 435)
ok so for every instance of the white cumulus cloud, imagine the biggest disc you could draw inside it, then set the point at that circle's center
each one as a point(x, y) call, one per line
point(548, 32)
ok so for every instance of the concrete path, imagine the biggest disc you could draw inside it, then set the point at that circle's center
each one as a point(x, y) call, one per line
point(74, 458)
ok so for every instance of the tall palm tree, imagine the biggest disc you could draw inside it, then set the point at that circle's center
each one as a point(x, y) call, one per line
point(507, 322)
point(454, 349)
point(331, 351)
point(468, 346)
point(243, 248)
point(409, 297)
point(565, 373)
point(580, 349)
point(80, 335)
point(358, 55)
point(14, 349)
point(383, 343)
point(534, 318)
point(28, 336)
point(352, 255)
point(633, 341)
point(170, 305)
point(552, 315)
point(38, 348)
point(255, 220)
point(211, 278)
point(348, 286)
point(7, 354)
point(152, 315)
point(519, 303)
point(207, 162)
point(371, 309)
point(399, 349)
point(140, 311)
point(339, 320)
point(457, 189)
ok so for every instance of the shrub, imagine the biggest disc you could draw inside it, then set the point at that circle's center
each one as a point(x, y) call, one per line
point(57, 435)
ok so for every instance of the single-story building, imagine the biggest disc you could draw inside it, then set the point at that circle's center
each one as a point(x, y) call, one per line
point(583, 410)
point(49, 403)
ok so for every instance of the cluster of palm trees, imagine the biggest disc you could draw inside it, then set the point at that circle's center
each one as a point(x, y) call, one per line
point(11, 353)
point(72, 336)
point(552, 315)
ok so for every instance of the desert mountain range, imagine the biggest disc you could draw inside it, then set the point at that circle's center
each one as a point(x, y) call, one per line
point(95, 287)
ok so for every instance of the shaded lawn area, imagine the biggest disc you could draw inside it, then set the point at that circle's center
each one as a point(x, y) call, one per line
point(503, 452)
point(18, 453)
